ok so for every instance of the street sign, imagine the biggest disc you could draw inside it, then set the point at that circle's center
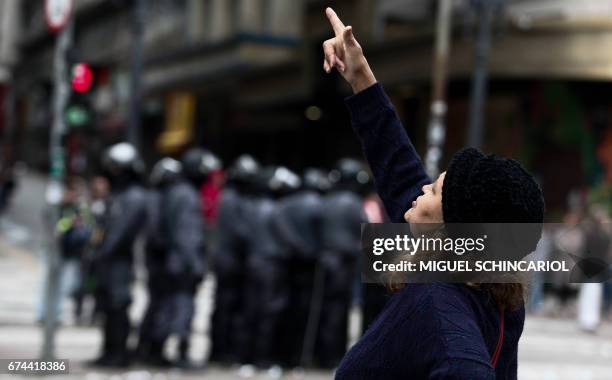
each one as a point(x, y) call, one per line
point(57, 13)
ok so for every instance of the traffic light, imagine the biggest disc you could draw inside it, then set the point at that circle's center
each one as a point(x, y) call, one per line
point(78, 115)
point(78, 111)
point(82, 77)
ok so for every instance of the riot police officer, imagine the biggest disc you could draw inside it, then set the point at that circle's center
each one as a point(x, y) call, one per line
point(230, 258)
point(299, 223)
point(183, 225)
point(266, 291)
point(342, 220)
point(114, 256)
point(154, 327)
point(315, 181)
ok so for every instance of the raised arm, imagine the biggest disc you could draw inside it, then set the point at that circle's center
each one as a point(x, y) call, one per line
point(398, 171)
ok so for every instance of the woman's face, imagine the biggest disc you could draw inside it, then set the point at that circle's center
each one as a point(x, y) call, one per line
point(428, 207)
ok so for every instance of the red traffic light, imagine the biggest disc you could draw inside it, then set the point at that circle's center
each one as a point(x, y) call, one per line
point(82, 77)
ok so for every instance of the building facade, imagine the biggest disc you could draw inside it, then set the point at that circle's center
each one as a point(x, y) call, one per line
point(245, 76)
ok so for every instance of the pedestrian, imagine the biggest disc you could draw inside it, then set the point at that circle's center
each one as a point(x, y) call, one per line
point(73, 231)
point(99, 205)
point(434, 330)
point(115, 255)
point(92, 207)
point(594, 267)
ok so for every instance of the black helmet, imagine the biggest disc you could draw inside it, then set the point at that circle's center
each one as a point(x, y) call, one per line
point(165, 170)
point(198, 163)
point(244, 170)
point(261, 181)
point(122, 158)
point(316, 179)
point(284, 181)
point(349, 172)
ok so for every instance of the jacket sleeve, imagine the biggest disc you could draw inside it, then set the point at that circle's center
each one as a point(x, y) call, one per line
point(125, 226)
point(398, 171)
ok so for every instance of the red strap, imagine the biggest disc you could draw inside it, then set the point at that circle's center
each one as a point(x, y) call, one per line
point(500, 341)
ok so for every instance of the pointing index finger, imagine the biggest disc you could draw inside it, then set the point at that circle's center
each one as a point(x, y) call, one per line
point(335, 21)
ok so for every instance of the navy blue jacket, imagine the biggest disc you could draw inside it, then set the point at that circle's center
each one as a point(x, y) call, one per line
point(426, 331)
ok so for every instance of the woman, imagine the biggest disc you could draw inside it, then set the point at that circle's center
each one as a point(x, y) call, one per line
point(433, 331)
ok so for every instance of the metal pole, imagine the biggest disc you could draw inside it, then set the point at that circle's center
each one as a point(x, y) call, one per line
point(54, 189)
point(436, 130)
point(136, 71)
point(9, 30)
point(485, 10)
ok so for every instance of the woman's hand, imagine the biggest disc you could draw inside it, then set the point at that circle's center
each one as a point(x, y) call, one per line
point(344, 53)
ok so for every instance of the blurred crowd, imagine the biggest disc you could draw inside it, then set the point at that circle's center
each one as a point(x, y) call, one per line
point(282, 247)
point(585, 237)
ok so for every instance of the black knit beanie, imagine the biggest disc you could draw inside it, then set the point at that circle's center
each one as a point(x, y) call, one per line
point(482, 188)
point(493, 196)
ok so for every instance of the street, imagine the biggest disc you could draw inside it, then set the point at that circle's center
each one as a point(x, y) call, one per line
point(551, 349)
